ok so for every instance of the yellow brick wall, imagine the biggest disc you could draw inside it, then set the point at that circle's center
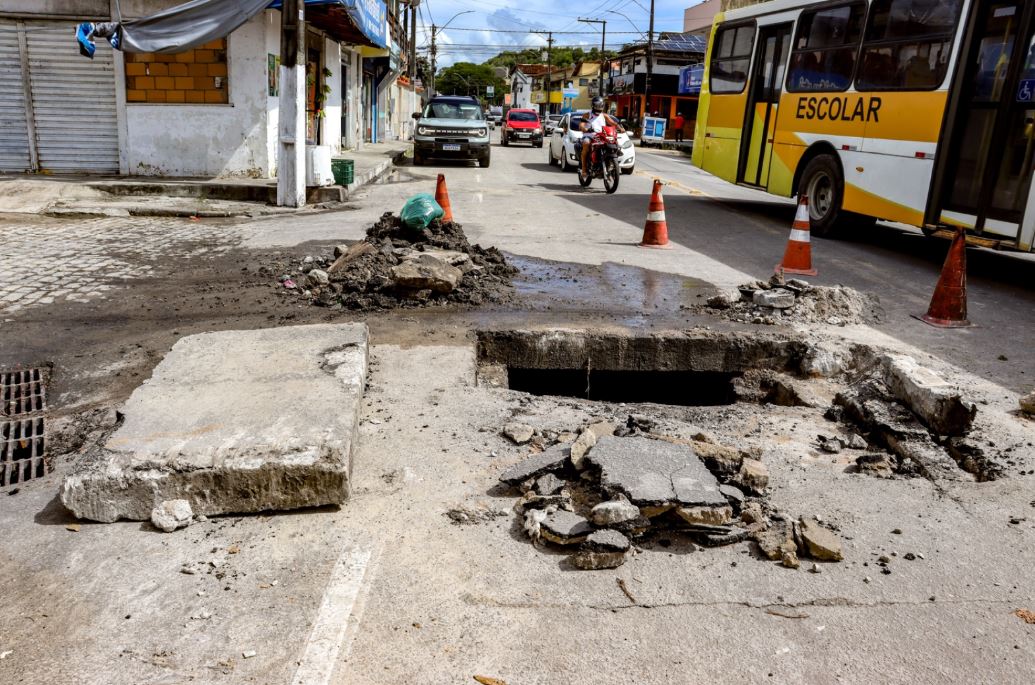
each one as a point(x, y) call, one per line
point(196, 76)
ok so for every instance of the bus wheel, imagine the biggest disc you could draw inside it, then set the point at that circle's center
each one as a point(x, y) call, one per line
point(821, 182)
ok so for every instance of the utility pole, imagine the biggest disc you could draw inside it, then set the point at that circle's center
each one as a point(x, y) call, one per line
point(549, 64)
point(603, 41)
point(434, 51)
point(291, 141)
point(650, 61)
point(412, 71)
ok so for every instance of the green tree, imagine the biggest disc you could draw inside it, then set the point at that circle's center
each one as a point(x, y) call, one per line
point(465, 78)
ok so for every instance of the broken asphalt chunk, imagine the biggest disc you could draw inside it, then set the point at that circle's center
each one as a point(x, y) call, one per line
point(654, 474)
point(565, 528)
point(603, 549)
point(819, 542)
point(549, 460)
point(937, 403)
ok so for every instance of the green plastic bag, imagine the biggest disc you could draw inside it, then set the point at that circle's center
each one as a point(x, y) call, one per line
point(419, 211)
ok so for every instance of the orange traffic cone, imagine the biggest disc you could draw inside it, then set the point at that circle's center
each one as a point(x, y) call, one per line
point(797, 259)
point(655, 231)
point(948, 307)
point(442, 197)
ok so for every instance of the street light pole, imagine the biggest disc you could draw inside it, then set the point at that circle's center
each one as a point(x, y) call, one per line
point(650, 57)
point(434, 50)
point(603, 42)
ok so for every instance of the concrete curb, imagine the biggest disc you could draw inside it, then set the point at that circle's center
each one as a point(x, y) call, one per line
point(376, 173)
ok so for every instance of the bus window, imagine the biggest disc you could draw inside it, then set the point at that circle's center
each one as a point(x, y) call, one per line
point(907, 44)
point(825, 48)
point(730, 59)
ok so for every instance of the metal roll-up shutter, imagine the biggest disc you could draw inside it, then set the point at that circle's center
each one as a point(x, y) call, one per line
point(14, 131)
point(73, 102)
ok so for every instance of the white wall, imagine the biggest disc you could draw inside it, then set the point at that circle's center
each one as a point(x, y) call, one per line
point(210, 140)
point(331, 125)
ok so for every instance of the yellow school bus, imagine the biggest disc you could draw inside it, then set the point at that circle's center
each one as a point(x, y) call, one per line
point(916, 111)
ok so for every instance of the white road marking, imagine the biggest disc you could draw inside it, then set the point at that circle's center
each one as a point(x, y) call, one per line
point(332, 633)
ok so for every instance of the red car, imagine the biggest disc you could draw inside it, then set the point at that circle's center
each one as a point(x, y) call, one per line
point(522, 126)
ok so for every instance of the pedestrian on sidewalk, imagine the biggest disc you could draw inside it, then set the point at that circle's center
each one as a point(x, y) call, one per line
point(677, 126)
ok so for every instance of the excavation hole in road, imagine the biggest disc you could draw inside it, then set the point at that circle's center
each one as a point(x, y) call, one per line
point(685, 368)
point(684, 388)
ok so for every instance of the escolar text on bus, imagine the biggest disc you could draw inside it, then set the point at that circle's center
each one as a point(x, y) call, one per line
point(838, 108)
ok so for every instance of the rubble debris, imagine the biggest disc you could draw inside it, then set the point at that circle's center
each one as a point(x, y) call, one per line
point(732, 493)
point(709, 516)
point(533, 523)
point(871, 407)
point(171, 515)
point(394, 266)
point(777, 539)
point(934, 401)
point(519, 433)
point(565, 528)
point(467, 516)
point(880, 464)
point(753, 476)
point(825, 359)
point(487, 680)
point(625, 590)
point(549, 460)
point(789, 559)
point(1025, 615)
point(602, 549)
point(654, 474)
point(829, 445)
point(1027, 403)
point(820, 543)
point(618, 510)
point(549, 484)
point(582, 444)
point(796, 301)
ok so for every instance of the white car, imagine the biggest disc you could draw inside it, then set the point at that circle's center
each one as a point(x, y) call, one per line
point(562, 146)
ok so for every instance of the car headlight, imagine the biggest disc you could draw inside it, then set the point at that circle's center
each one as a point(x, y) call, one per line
point(537, 130)
point(481, 133)
point(424, 130)
point(627, 144)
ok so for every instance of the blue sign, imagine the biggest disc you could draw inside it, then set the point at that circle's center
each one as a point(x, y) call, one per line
point(1026, 90)
point(690, 79)
point(367, 15)
point(653, 129)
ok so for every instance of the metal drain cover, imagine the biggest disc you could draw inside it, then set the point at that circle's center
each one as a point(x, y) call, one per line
point(23, 441)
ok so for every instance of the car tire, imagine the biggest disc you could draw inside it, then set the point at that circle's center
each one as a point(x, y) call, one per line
point(418, 159)
point(549, 157)
point(823, 183)
point(564, 160)
point(483, 161)
point(628, 172)
point(539, 145)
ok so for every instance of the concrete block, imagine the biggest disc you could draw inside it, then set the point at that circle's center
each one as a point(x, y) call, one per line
point(233, 422)
point(777, 298)
point(937, 403)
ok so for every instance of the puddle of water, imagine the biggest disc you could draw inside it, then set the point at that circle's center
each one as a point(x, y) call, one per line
point(609, 287)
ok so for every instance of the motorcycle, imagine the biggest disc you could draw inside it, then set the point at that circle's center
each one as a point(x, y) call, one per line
point(603, 160)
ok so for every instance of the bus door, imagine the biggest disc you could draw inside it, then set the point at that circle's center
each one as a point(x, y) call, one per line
point(765, 86)
point(985, 172)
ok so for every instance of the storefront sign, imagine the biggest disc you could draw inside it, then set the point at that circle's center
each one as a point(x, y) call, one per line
point(369, 16)
point(624, 83)
point(690, 79)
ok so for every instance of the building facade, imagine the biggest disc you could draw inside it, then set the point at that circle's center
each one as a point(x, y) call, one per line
point(209, 111)
point(628, 90)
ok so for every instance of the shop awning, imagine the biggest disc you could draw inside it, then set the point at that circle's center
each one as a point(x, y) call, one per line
point(359, 22)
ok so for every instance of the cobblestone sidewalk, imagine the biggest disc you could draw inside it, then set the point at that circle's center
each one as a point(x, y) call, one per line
point(49, 260)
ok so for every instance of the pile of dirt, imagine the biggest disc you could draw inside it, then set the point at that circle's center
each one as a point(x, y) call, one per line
point(395, 266)
point(795, 301)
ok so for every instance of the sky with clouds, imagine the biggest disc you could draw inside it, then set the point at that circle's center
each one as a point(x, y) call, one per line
point(519, 17)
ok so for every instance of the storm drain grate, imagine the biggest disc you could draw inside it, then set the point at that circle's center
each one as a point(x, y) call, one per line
point(22, 391)
point(23, 445)
point(23, 438)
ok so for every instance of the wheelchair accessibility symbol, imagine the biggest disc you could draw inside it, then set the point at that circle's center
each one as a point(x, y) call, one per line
point(1026, 91)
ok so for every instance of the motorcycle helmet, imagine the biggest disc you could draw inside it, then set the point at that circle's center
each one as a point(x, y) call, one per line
point(598, 105)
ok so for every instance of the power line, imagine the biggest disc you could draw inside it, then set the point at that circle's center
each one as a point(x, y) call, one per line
point(567, 33)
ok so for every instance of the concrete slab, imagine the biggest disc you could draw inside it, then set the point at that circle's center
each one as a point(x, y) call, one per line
point(654, 472)
point(233, 422)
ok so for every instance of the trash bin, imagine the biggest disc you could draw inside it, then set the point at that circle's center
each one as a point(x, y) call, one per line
point(343, 171)
point(318, 165)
